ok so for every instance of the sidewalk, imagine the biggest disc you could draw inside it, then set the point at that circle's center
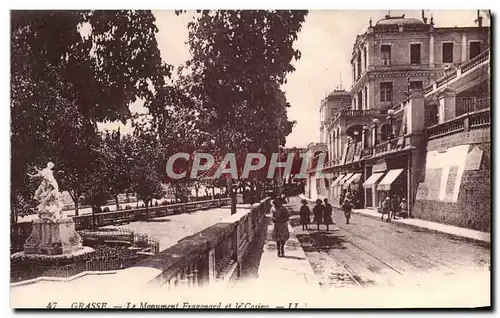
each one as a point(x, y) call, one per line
point(275, 273)
point(432, 226)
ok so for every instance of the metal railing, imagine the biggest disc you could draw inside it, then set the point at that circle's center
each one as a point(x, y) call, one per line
point(358, 113)
point(21, 231)
point(471, 104)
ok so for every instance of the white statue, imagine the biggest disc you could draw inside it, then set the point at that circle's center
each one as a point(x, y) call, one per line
point(49, 198)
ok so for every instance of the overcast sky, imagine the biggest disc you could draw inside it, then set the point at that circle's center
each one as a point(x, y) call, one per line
point(325, 42)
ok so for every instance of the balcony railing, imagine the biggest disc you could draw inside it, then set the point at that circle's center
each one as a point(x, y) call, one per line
point(466, 105)
point(448, 77)
point(466, 122)
point(484, 56)
point(359, 113)
point(458, 71)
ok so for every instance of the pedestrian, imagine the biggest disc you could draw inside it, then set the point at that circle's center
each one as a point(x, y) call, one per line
point(342, 197)
point(285, 198)
point(386, 209)
point(305, 215)
point(327, 214)
point(347, 206)
point(356, 198)
point(404, 207)
point(395, 205)
point(280, 232)
point(318, 212)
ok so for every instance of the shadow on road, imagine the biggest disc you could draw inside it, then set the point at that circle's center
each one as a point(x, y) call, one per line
point(158, 220)
point(294, 257)
point(320, 241)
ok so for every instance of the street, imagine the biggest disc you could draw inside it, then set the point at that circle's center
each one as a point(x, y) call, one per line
point(368, 252)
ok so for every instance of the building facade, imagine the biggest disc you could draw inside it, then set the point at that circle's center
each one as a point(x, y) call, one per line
point(410, 80)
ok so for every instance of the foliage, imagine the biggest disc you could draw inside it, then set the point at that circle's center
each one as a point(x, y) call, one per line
point(239, 60)
point(70, 70)
point(118, 162)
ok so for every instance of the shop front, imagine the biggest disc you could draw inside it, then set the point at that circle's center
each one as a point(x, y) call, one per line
point(393, 183)
point(335, 193)
point(378, 170)
point(353, 186)
point(370, 186)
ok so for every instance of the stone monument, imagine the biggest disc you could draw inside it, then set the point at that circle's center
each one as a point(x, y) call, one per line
point(52, 234)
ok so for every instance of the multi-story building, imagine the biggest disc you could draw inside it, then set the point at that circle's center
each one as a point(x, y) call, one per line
point(399, 53)
point(414, 83)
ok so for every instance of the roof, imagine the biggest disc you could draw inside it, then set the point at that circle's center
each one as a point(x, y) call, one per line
point(339, 92)
point(401, 20)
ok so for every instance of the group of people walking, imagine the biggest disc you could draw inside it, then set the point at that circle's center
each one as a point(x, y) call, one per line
point(322, 212)
point(392, 206)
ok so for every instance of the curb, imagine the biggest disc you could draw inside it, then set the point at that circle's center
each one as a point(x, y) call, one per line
point(471, 239)
point(414, 226)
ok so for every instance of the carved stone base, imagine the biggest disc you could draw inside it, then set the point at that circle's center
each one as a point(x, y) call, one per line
point(53, 237)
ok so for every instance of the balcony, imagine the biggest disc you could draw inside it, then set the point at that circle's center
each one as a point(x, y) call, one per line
point(466, 105)
point(458, 72)
point(466, 122)
point(358, 113)
point(387, 147)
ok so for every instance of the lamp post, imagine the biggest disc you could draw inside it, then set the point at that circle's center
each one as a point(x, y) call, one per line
point(364, 136)
point(390, 117)
point(375, 127)
point(356, 136)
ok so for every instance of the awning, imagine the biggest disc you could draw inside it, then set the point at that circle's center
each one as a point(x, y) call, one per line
point(370, 182)
point(345, 178)
point(389, 178)
point(352, 180)
point(337, 180)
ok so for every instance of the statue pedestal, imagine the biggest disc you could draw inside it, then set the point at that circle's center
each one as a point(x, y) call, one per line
point(53, 237)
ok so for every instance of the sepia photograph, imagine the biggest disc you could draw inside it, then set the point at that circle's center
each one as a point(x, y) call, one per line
point(250, 159)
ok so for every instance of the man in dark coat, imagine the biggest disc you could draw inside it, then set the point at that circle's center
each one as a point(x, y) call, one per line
point(327, 214)
point(318, 212)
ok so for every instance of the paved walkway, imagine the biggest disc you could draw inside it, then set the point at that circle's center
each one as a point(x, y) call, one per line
point(168, 230)
point(433, 226)
point(277, 281)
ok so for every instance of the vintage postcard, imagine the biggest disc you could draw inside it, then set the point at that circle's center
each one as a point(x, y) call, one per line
point(250, 159)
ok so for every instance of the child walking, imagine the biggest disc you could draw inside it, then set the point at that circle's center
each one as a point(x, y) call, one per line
point(305, 215)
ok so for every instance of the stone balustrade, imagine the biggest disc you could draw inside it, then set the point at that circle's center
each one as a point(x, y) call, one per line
point(466, 122)
point(458, 72)
point(214, 255)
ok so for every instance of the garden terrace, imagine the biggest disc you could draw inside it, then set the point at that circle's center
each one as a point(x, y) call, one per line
point(21, 231)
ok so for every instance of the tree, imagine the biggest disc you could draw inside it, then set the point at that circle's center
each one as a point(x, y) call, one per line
point(147, 170)
point(239, 60)
point(70, 70)
point(146, 178)
point(118, 161)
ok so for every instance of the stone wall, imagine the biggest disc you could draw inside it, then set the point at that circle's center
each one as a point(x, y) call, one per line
point(457, 192)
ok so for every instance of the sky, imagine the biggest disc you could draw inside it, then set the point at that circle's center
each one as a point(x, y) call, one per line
point(325, 42)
